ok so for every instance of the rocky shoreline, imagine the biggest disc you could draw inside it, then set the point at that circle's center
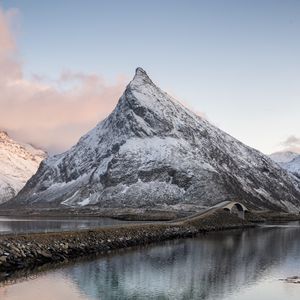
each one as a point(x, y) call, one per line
point(27, 251)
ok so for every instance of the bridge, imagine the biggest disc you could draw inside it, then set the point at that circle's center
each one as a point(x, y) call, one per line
point(233, 207)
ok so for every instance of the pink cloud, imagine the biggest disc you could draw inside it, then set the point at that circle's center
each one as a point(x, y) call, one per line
point(36, 112)
point(292, 143)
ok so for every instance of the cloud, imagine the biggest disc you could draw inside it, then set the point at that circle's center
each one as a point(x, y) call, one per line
point(47, 115)
point(292, 143)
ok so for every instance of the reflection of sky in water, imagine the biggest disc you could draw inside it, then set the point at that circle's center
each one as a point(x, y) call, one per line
point(50, 287)
point(228, 266)
point(22, 224)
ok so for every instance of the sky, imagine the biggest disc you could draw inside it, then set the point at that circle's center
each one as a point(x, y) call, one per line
point(64, 64)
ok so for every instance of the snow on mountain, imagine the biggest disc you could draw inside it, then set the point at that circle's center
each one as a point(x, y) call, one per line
point(18, 162)
point(284, 156)
point(288, 160)
point(152, 151)
point(293, 166)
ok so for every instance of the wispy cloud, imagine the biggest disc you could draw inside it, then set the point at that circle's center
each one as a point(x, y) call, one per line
point(292, 143)
point(46, 115)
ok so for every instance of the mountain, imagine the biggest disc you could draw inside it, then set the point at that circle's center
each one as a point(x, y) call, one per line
point(290, 161)
point(18, 162)
point(283, 156)
point(151, 151)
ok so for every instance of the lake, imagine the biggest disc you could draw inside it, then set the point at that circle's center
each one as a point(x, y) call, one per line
point(42, 224)
point(232, 265)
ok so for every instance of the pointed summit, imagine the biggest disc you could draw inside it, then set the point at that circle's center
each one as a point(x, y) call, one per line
point(141, 77)
point(151, 151)
point(140, 72)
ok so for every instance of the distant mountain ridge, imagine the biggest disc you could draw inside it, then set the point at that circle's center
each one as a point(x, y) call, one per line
point(152, 151)
point(290, 161)
point(18, 162)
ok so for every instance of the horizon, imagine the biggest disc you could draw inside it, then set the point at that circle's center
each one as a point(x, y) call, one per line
point(51, 98)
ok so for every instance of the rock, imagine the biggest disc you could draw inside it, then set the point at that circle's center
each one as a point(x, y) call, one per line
point(44, 254)
point(3, 259)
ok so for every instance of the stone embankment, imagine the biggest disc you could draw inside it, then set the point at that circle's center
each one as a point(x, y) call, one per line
point(30, 250)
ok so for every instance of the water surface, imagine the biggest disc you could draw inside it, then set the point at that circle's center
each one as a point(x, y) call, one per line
point(48, 224)
point(235, 265)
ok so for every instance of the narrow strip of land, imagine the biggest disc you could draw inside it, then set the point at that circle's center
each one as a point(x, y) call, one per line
point(30, 250)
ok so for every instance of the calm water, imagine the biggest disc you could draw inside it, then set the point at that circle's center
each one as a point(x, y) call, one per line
point(233, 266)
point(30, 224)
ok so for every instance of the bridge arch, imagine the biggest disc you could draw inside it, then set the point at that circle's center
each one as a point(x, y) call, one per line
point(236, 208)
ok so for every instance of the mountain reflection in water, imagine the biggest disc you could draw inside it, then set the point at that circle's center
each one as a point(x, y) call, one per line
point(225, 265)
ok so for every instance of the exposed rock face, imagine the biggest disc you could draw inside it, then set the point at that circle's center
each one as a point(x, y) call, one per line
point(153, 151)
point(18, 162)
point(290, 161)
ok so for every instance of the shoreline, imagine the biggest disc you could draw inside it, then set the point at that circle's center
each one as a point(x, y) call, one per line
point(118, 214)
point(141, 215)
point(29, 251)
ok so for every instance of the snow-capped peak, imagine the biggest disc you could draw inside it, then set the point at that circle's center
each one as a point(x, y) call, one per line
point(141, 74)
point(152, 151)
point(18, 162)
point(288, 160)
point(284, 156)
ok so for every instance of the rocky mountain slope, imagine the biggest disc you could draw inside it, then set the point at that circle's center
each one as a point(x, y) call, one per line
point(290, 161)
point(152, 151)
point(18, 162)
